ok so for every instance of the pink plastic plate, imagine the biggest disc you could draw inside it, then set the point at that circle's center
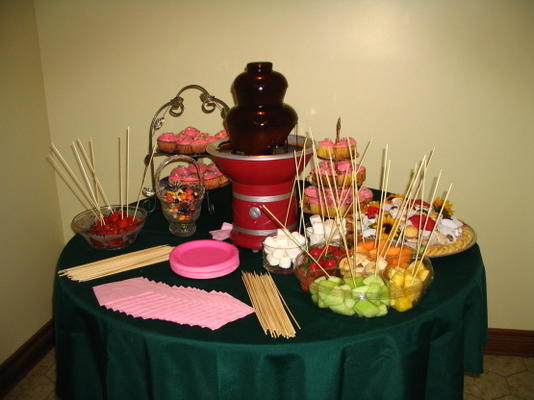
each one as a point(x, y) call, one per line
point(204, 259)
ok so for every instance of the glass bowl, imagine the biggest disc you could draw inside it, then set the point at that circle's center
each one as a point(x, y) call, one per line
point(280, 252)
point(408, 285)
point(306, 270)
point(368, 288)
point(115, 230)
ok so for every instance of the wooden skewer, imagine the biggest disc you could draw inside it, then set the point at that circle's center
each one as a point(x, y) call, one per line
point(143, 178)
point(92, 165)
point(127, 166)
point(382, 197)
point(120, 178)
point(433, 230)
point(69, 185)
point(88, 184)
point(70, 172)
point(93, 171)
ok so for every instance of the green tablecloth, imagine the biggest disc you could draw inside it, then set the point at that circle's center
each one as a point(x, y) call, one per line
point(418, 354)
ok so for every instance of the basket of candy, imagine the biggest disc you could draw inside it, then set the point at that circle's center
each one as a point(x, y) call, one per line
point(180, 199)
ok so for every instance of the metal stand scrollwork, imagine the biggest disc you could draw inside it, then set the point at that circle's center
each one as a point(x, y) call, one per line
point(175, 108)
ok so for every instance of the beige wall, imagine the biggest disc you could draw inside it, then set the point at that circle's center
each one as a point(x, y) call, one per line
point(454, 75)
point(30, 238)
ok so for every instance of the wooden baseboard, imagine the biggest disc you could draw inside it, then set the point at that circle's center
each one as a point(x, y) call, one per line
point(510, 342)
point(24, 359)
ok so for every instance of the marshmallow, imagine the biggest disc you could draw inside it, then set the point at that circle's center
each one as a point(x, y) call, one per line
point(273, 261)
point(285, 263)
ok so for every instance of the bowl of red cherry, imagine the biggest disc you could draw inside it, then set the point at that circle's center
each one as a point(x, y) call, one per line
point(110, 228)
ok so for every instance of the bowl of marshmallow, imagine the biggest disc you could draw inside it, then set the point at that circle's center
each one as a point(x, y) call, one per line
point(281, 249)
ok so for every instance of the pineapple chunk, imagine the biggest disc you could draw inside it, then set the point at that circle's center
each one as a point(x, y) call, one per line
point(423, 274)
point(410, 281)
point(398, 279)
point(402, 304)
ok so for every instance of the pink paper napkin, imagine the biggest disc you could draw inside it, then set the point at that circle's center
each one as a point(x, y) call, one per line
point(141, 297)
point(223, 233)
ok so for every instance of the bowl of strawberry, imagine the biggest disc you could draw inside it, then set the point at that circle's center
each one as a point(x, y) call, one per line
point(320, 260)
point(110, 228)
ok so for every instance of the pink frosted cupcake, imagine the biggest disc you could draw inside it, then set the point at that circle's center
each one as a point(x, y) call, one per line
point(340, 150)
point(200, 142)
point(184, 144)
point(344, 149)
point(190, 132)
point(325, 149)
point(167, 142)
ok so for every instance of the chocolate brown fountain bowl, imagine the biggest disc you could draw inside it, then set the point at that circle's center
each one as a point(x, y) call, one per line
point(257, 182)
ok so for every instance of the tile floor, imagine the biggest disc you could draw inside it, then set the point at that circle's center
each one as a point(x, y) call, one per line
point(505, 378)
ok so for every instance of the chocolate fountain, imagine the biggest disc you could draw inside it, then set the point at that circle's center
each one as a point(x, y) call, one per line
point(259, 155)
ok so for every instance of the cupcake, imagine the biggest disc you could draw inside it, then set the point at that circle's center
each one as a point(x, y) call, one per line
point(344, 149)
point(200, 142)
point(184, 144)
point(338, 171)
point(167, 142)
point(325, 149)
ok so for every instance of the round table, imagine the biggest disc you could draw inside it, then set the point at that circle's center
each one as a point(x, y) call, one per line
point(419, 354)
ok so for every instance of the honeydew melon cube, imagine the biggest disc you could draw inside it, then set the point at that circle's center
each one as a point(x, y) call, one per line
point(345, 287)
point(349, 302)
point(360, 292)
point(335, 279)
point(314, 287)
point(373, 289)
point(353, 282)
point(366, 309)
point(373, 279)
point(333, 298)
point(342, 309)
point(323, 295)
point(326, 286)
point(315, 298)
point(382, 310)
point(383, 295)
point(321, 303)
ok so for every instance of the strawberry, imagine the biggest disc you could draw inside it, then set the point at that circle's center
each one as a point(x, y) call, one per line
point(420, 222)
point(316, 251)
